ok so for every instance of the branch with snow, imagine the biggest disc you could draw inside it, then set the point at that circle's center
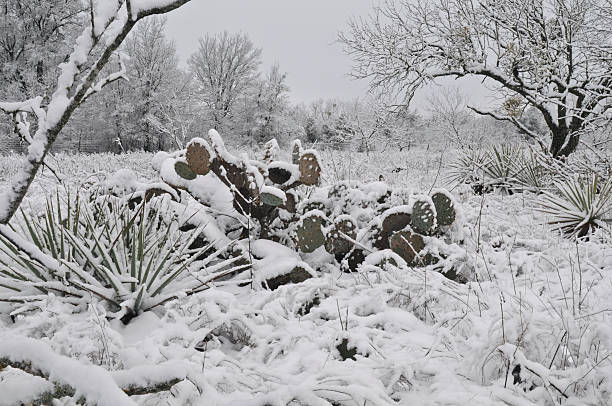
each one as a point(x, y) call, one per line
point(531, 134)
point(113, 77)
point(109, 25)
point(91, 382)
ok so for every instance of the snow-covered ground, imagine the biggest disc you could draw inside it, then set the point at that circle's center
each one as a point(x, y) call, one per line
point(419, 338)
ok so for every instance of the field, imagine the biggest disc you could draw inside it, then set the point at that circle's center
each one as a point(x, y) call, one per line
point(531, 326)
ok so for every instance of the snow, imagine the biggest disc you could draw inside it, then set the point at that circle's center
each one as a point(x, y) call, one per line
point(17, 386)
point(92, 382)
point(274, 191)
point(423, 338)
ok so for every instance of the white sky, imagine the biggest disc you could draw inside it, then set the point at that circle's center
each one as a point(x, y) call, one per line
point(299, 35)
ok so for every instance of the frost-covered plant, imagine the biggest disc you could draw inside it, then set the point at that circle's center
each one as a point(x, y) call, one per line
point(134, 259)
point(501, 165)
point(466, 168)
point(580, 205)
point(532, 172)
point(506, 167)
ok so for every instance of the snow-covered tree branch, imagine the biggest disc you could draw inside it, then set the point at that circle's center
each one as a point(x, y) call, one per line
point(556, 55)
point(107, 25)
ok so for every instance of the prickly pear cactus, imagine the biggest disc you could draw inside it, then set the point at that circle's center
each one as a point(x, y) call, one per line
point(335, 242)
point(272, 196)
point(408, 245)
point(313, 204)
point(291, 202)
point(423, 216)
point(445, 208)
point(278, 173)
point(310, 169)
point(309, 232)
point(272, 149)
point(198, 156)
point(184, 171)
point(352, 260)
point(381, 259)
point(396, 219)
point(296, 151)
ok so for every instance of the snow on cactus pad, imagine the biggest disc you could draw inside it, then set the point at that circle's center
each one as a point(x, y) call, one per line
point(309, 233)
point(335, 242)
point(408, 245)
point(310, 168)
point(198, 156)
point(272, 196)
point(445, 207)
point(423, 215)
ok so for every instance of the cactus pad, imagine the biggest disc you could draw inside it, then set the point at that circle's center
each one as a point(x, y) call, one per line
point(314, 204)
point(198, 157)
point(423, 217)
point(336, 243)
point(271, 199)
point(184, 171)
point(445, 208)
point(407, 245)
point(395, 219)
point(278, 174)
point(310, 170)
point(309, 234)
point(291, 202)
point(296, 151)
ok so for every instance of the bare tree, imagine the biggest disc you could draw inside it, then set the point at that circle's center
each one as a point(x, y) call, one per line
point(108, 24)
point(224, 65)
point(34, 39)
point(152, 66)
point(448, 108)
point(556, 55)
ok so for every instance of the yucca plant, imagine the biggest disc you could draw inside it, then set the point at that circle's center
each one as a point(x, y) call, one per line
point(580, 205)
point(501, 166)
point(133, 259)
point(532, 173)
point(466, 168)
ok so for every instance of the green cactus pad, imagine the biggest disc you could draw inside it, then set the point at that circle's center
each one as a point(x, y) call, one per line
point(423, 217)
point(184, 171)
point(336, 243)
point(407, 245)
point(270, 199)
point(309, 233)
point(445, 209)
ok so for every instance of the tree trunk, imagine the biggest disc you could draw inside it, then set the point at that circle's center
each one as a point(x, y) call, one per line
point(564, 142)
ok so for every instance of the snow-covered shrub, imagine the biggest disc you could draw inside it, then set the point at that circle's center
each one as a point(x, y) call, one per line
point(579, 205)
point(133, 258)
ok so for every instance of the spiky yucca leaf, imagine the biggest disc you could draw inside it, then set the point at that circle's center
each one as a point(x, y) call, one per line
point(580, 205)
point(467, 166)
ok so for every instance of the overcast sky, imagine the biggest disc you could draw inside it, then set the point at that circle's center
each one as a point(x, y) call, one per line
point(299, 35)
